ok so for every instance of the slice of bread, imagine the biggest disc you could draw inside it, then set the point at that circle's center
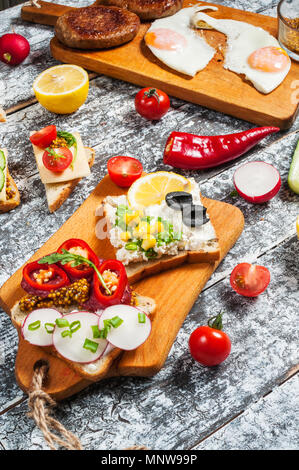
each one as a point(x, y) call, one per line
point(140, 270)
point(13, 199)
point(57, 193)
point(93, 371)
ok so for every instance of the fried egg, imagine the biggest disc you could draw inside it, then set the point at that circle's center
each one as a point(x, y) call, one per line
point(175, 43)
point(251, 51)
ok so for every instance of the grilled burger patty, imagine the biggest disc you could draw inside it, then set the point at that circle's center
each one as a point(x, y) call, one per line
point(148, 9)
point(96, 27)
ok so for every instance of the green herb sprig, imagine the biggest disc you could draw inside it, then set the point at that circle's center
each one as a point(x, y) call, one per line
point(70, 142)
point(75, 260)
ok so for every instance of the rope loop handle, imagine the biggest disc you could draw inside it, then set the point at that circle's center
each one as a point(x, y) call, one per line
point(41, 404)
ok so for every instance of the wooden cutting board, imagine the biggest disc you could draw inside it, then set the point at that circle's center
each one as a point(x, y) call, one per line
point(213, 87)
point(174, 291)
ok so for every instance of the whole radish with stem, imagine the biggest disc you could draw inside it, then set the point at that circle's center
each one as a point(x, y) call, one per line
point(14, 48)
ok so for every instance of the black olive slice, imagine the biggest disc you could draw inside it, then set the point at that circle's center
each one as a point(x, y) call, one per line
point(194, 215)
point(178, 199)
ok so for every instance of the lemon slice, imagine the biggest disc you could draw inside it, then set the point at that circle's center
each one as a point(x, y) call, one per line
point(152, 188)
point(62, 89)
point(297, 226)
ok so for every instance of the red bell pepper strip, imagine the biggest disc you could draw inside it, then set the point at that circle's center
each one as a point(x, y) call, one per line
point(116, 295)
point(57, 277)
point(83, 270)
point(196, 152)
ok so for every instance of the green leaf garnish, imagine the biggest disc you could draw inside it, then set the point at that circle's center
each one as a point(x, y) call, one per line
point(70, 142)
point(75, 260)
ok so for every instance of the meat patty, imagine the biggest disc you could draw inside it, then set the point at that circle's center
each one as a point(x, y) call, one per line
point(96, 27)
point(148, 9)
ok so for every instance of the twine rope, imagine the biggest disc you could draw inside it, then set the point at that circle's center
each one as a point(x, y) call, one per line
point(41, 406)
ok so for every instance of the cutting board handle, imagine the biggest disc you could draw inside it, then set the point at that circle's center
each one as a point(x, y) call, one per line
point(47, 14)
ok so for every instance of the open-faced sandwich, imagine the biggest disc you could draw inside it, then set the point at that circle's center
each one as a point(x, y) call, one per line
point(9, 194)
point(62, 161)
point(160, 224)
point(81, 309)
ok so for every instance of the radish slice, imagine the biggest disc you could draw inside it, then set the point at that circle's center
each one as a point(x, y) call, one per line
point(38, 326)
point(72, 347)
point(130, 334)
point(257, 182)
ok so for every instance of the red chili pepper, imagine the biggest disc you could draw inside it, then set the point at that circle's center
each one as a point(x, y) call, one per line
point(83, 270)
point(196, 152)
point(116, 295)
point(58, 277)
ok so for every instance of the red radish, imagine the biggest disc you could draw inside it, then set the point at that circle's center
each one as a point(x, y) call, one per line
point(130, 334)
point(257, 182)
point(38, 326)
point(14, 48)
point(75, 346)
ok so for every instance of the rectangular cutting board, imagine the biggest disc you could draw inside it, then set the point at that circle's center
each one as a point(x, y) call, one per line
point(213, 87)
point(174, 291)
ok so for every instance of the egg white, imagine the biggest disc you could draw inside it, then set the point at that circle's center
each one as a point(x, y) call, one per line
point(242, 40)
point(195, 55)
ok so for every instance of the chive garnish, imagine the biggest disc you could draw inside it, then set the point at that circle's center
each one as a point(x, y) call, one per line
point(96, 331)
point(116, 322)
point(34, 326)
point(61, 322)
point(90, 345)
point(141, 317)
point(49, 327)
point(65, 333)
point(75, 326)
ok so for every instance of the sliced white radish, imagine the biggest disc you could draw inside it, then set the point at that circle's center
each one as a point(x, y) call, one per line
point(38, 326)
point(257, 182)
point(130, 333)
point(76, 347)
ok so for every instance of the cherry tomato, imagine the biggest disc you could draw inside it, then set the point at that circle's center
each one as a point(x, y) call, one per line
point(208, 345)
point(57, 160)
point(249, 280)
point(151, 103)
point(44, 137)
point(124, 170)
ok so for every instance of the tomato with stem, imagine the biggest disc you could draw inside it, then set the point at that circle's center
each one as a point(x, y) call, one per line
point(57, 160)
point(152, 103)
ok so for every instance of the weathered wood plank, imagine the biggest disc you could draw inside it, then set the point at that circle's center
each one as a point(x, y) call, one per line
point(186, 402)
point(269, 424)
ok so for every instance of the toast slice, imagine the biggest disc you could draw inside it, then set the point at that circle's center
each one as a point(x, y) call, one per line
point(93, 371)
point(13, 195)
point(57, 193)
point(208, 253)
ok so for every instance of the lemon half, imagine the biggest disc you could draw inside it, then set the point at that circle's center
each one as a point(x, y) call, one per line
point(152, 188)
point(62, 89)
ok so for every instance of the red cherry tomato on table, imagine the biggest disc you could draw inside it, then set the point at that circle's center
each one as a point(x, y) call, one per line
point(209, 345)
point(124, 170)
point(57, 160)
point(14, 48)
point(249, 280)
point(151, 103)
point(44, 137)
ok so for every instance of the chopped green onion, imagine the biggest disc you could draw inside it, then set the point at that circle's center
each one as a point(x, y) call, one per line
point(90, 345)
point(61, 322)
point(49, 327)
point(96, 331)
point(75, 326)
point(131, 246)
point(66, 333)
point(141, 317)
point(116, 322)
point(34, 326)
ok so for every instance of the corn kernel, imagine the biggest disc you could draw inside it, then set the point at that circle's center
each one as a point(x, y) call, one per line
point(148, 242)
point(132, 219)
point(125, 236)
point(157, 227)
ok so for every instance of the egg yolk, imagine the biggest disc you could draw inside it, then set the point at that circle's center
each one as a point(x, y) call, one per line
point(269, 59)
point(165, 39)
